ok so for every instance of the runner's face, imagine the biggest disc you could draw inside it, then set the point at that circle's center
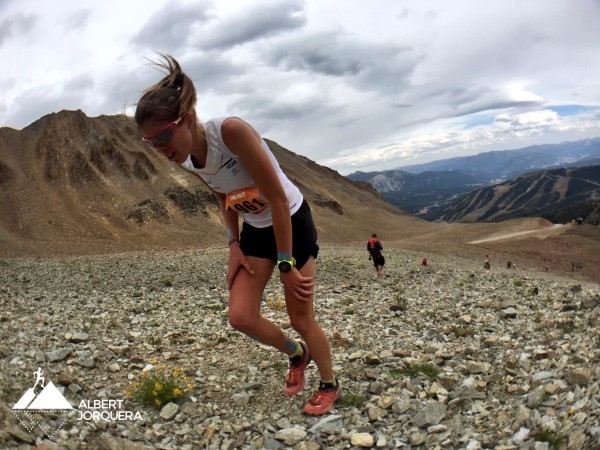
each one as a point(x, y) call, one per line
point(175, 148)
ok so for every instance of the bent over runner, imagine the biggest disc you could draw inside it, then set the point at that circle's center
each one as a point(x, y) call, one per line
point(277, 232)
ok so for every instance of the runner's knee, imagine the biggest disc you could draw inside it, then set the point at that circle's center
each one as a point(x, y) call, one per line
point(242, 321)
point(301, 324)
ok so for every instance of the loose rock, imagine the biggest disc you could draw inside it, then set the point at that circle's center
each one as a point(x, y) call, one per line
point(470, 360)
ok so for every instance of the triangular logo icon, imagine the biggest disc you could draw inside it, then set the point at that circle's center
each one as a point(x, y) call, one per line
point(50, 398)
point(25, 400)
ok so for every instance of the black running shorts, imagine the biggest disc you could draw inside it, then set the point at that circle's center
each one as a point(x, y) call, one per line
point(260, 242)
point(379, 261)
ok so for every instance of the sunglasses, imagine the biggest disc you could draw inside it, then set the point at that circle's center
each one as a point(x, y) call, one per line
point(163, 137)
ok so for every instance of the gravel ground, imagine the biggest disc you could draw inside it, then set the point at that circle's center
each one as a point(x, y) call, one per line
point(443, 356)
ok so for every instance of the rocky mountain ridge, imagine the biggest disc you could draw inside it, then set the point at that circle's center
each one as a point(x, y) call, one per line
point(556, 194)
point(72, 183)
point(75, 185)
point(426, 190)
point(502, 165)
point(420, 193)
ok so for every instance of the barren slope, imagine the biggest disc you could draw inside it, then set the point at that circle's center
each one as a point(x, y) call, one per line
point(74, 185)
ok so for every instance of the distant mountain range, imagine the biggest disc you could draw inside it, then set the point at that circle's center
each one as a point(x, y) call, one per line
point(432, 190)
point(502, 165)
point(559, 195)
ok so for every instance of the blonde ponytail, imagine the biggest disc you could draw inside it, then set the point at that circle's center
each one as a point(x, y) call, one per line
point(172, 97)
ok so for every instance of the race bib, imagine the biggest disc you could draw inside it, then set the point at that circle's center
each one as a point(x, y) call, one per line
point(248, 200)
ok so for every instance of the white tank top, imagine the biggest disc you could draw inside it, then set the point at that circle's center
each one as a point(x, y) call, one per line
point(224, 172)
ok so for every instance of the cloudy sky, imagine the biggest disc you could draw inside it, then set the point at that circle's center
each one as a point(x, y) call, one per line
point(350, 84)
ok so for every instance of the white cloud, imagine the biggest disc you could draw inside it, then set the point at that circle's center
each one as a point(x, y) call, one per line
point(350, 84)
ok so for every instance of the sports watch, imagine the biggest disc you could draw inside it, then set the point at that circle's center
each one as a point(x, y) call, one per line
point(285, 265)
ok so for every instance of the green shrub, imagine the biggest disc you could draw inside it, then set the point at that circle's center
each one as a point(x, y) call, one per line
point(554, 438)
point(158, 386)
point(567, 327)
point(355, 400)
point(463, 331)
point(280, 365)
point(429, 370)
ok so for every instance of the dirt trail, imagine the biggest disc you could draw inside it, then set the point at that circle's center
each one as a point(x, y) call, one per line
point(541, 233)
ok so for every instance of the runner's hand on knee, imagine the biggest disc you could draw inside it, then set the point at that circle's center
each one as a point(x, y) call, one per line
point(297, 286)
point(237, 261)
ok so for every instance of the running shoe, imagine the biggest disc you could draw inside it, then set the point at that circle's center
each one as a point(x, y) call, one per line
point(295, 379)
point(323, 400)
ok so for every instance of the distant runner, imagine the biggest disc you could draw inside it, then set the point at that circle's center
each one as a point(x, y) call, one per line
point(375, 248)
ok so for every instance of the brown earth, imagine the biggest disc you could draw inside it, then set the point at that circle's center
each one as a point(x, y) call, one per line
point(74, 185)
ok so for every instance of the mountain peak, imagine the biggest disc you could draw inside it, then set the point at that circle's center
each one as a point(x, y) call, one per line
point(80, 184)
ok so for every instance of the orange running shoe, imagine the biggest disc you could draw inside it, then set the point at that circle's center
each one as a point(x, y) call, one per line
point(323, 400)
point(295, 379)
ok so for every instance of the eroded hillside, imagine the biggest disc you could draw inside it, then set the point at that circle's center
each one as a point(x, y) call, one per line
point(75, 184)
